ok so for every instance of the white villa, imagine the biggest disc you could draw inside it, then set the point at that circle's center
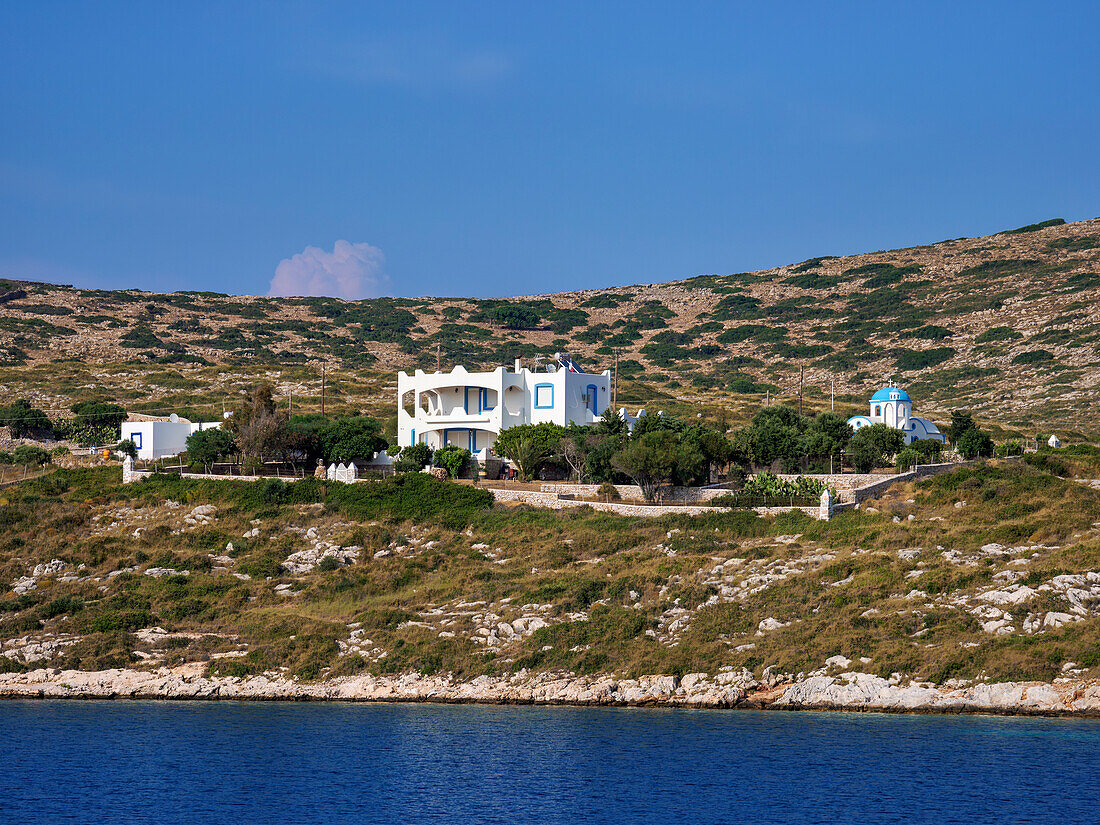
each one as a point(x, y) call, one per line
point(893, 407)
point(470, 409)
point(164, 437)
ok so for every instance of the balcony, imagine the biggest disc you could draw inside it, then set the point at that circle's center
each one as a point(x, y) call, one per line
point(456, 417)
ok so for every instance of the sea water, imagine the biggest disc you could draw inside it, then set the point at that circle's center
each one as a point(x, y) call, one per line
point(229, 762)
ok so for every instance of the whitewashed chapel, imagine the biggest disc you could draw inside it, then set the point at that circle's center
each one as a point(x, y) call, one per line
point(893, 407)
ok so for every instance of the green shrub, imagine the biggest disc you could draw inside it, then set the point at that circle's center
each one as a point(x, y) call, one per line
point(1034, 227)
point(929, 332)
point(997, 334)
point(1034, 357)
point(61, 606)
point(1077, 244)
point(607, 490)
point(912, 360)
point(28, 454)
point(263, 566)
point(453, 459)
point(112, 621)
point(907, 459)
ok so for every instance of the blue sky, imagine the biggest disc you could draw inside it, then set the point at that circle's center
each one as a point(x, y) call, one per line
point(502, 149)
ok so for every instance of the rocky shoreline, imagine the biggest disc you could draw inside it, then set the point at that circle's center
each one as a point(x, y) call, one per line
point(847, 692)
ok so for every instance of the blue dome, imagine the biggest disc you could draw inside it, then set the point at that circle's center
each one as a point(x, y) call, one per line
point(884, 394)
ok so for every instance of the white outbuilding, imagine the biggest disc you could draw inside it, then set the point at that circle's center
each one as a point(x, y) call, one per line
point(893, 407)
point(164, 437)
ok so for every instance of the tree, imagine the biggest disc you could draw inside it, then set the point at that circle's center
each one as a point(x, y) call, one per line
point(351, 437)
point(100, 414)
point(127, 447)
point(414, 458)
point(713, 448)
point(961, 422)
point(24, 420)
point(597, 464)
point(453, 459)
point(828, 434)
point(775, 435)
point(907, 459)
point(974, 443)
point(575, 445)
point(649, 460)
point(529, 445)
point(651, 423)
point(27, 454)
point(610, 423)
point(207, 446)
point(929, 449)
point(258, 426)
point(872, 446)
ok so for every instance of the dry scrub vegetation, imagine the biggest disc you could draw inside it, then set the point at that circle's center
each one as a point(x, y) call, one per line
point(1007, 326)
point(986, 572)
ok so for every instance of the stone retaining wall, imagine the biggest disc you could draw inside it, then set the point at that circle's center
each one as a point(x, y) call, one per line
point(554, 501)
point(634, 492)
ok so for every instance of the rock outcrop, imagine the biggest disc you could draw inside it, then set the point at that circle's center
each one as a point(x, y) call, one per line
point(849, 691)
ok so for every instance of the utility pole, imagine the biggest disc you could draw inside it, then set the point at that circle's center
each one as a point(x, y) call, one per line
point(322, 388)
point(439, 358)
point(832, 395)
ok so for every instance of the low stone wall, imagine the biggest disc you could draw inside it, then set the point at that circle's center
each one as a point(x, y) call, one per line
point(634, 492)
point(853, 488)
point(554, 501)
point(867, 491)
point(137, 475)
point(861, 494)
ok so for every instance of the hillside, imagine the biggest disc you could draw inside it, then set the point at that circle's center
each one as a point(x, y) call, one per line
point(985, 574)
point(1006, 325)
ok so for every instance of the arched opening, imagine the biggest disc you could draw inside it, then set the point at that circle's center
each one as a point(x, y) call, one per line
point(513, 401)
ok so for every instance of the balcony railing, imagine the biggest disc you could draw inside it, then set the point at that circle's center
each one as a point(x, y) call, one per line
point(457, 416)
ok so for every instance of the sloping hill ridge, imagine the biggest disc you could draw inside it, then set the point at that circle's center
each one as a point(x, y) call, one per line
point(1006, 325)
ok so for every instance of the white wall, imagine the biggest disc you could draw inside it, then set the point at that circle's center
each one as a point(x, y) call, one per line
point(440, 408)
point(160, 439)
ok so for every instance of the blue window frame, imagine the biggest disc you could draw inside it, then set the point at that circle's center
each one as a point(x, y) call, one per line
point(544, 396)
point(592, 398)
point(483, 400)
point(136, 438)
point(412, 437)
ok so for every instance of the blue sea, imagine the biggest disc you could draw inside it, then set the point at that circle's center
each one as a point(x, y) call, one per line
point(205, 762)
